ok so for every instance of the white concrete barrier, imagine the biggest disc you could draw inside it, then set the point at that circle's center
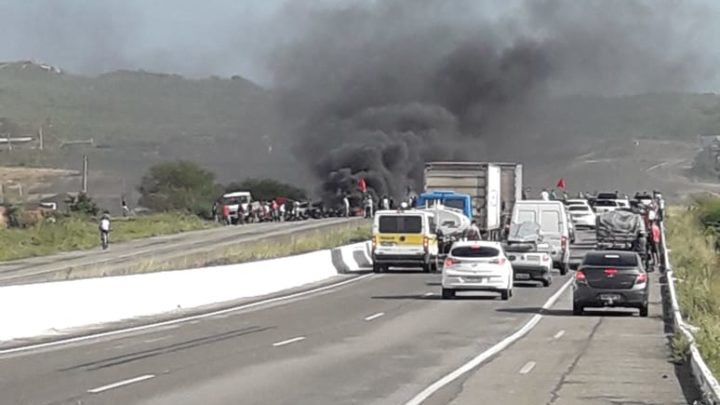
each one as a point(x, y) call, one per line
point(54, 308)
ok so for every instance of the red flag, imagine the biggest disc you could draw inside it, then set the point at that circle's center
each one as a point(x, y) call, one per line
point(561, 184)
point(363, 186)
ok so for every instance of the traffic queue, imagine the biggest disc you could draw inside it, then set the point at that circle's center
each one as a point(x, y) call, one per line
point(538, 239)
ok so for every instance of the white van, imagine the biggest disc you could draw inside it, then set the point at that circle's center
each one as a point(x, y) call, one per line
point(553, 220)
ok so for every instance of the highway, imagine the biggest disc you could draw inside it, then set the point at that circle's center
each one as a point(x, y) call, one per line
point(378, 339)
point(47, 268)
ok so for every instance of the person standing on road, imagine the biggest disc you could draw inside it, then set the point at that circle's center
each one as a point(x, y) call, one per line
point(125, 209)
point(385, 203)
point(346, 205)
point(104, 227)
point(473, 232)
point(655, 246)
point(553, 195)
point(544, 195)
point(368, 206)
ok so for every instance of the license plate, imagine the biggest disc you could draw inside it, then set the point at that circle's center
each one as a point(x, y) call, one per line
point(387, 243)
point(474, 279)
point(533, 258)
point(522, 276)
point(609, 297)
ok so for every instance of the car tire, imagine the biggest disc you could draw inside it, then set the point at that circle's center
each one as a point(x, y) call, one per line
point(577, 309)
point(546, 282)
point(644, 311)
point(448, 294)
point(505, 294)
point(377, 268)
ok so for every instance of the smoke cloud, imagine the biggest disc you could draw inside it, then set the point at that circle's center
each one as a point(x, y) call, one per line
point(378, 89)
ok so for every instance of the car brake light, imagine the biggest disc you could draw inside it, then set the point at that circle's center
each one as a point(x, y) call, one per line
point(449, 262)
point(563, 242)
point(545, 258)
point(610, 272)
point(641, 278)
point(500, 260)
point(579, 276)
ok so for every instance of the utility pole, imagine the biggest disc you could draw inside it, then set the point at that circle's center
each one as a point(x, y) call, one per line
point(85, 174)
point(40, 136)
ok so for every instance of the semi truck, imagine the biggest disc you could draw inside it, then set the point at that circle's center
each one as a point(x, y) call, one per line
point(493, 189)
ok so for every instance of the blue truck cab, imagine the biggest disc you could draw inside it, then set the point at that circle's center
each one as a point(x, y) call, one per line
point(449, 199)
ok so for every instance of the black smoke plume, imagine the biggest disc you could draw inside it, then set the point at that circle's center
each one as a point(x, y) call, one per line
point(383, 87)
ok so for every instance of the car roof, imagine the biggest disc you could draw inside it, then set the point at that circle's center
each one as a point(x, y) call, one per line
point(237, 194)
point(402, 212)
point(481, 243)
point(603, 253)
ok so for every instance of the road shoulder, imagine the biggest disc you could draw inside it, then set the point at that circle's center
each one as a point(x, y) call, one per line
point(604, 357)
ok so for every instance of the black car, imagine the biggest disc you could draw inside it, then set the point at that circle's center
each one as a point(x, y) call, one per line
point(611, 279)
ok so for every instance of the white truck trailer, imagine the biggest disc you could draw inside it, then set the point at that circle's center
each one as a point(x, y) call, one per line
point(481, 181)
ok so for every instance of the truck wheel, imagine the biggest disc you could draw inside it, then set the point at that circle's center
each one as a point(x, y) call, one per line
point(448, 294)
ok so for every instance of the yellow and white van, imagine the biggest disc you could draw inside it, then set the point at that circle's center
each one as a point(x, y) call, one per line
point(404, 238)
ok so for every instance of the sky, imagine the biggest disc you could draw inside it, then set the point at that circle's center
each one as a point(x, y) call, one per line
point(226, 37)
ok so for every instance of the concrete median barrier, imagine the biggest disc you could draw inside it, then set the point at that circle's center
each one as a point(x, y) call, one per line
point(208, 248)
point(67, 307)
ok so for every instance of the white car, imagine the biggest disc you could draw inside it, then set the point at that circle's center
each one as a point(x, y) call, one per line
point(582, 215)
point(477, 266)
point(603, 206)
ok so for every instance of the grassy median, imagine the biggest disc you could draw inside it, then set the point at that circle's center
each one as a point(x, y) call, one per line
point(695, 262)
point(271, 248)
point(76, 233)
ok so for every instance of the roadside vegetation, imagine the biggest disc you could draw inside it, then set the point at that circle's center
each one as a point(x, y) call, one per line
point(275, 247)
point(78, 231)
point(692, 237)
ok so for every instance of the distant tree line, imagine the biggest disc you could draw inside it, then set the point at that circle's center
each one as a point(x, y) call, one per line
point(185, 186)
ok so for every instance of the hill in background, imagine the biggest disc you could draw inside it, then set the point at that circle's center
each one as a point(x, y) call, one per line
point(231, 126)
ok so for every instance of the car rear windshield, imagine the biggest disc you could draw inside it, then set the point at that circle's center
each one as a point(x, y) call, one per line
point(400, 224)
point(578, 208)
point(475, 251)
point(611, 259)
point(605, 203)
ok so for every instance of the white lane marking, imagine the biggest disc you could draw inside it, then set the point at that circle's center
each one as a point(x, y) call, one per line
point(289, 341)
point(527, 367)
point(484, 356)
point(559, 334)
point(375, 316)
point(178, 320)
point(427, 294)
point(121, 383)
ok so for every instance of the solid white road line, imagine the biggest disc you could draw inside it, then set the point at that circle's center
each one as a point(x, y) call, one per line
point(427, 294)
point(484, 356)
point(289, 341)
point(121, 383)
point(179, 320)
point(527, 367)
point(559, 334)
point(375, 316)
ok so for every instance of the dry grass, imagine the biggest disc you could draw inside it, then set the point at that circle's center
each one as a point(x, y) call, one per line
point(695, 264)
point(76, 233)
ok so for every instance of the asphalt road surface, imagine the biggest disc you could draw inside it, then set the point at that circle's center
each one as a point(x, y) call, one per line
point(381, 339)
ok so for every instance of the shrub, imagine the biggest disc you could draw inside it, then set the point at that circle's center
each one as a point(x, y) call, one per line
point(178, 186)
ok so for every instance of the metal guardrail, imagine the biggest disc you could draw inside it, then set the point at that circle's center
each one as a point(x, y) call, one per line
point(704, 378)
